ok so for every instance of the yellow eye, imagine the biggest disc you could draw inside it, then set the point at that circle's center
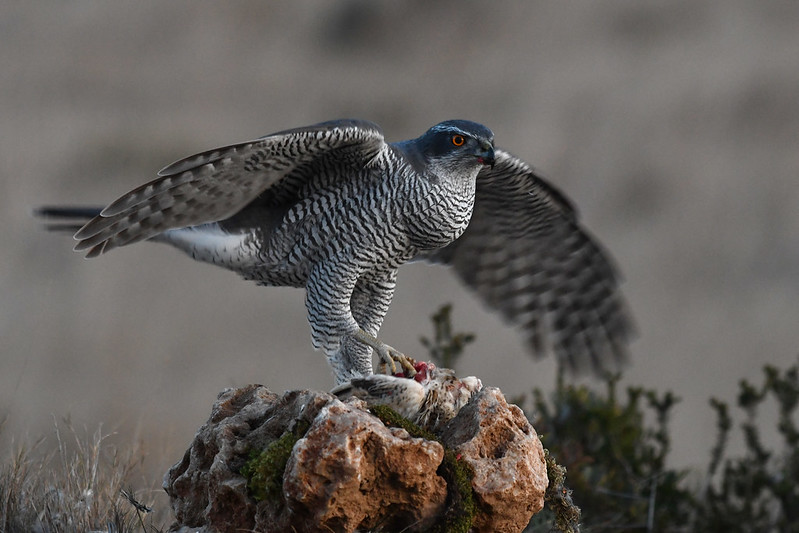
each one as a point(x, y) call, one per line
point(458, 140)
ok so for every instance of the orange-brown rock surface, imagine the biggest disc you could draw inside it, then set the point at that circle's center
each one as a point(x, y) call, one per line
point(507, 458)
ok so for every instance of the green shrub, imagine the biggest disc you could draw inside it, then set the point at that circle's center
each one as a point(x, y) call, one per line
point(758, 491)
point(615, 461)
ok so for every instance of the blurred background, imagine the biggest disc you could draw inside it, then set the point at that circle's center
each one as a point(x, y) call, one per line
point(674, 126)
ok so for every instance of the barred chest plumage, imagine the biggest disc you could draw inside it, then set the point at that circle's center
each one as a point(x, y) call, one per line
point(438, 211)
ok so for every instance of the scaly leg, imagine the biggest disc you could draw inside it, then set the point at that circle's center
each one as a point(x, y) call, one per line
point(369, 303)
point(345, 311)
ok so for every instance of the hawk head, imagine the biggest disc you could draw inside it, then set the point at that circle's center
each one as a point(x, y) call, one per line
point(462, 141)
point(455, 148)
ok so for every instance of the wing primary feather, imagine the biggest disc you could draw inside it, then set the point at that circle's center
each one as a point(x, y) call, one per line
point(526, 255)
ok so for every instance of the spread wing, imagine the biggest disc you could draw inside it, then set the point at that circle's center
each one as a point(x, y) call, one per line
point(526, 255)
point(216, 184)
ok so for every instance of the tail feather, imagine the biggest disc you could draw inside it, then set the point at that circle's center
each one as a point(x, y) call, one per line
point(65, 218)
point(205, 242)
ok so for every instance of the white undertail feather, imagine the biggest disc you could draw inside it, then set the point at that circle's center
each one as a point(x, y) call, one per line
point(212, 244)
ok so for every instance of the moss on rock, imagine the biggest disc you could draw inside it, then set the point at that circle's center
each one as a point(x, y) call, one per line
point(265, 468)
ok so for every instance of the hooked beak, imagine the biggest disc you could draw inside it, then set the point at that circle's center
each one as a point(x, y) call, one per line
point(486, 157)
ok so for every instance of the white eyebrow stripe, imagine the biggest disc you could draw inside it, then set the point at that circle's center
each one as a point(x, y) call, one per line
point(451, 129)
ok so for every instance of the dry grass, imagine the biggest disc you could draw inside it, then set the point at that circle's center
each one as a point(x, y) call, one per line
point(80, 483)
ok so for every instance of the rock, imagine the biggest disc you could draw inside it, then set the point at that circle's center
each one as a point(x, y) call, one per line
point(352, 472)
point(205, 487)
point(510, 473)
point(345, 470)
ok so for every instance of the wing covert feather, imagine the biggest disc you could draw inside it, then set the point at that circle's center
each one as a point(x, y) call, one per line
point(216, 184)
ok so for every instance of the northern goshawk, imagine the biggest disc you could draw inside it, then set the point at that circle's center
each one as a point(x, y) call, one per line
point(336, 209)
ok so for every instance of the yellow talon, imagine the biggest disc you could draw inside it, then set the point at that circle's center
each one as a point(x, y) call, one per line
point(388, 356)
